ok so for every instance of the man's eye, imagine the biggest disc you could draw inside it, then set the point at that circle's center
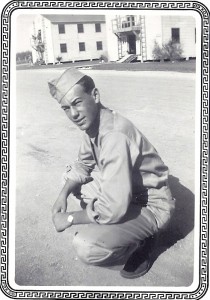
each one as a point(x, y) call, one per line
point(65, 108)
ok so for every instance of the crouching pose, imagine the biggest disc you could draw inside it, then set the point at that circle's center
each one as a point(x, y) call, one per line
point(119, 178)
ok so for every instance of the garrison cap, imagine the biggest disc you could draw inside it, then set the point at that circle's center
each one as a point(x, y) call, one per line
point(60, 86)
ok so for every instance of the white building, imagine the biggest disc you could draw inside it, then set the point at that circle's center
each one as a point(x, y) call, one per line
point(72, 37)
point(137, 34)
point(87, 37)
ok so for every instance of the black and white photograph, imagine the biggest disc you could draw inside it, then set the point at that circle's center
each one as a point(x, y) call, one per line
point(105, 148)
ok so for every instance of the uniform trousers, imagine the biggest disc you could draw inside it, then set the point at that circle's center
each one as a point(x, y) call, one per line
point(112, 244)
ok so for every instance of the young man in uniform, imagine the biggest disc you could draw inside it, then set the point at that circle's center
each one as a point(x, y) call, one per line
point(119, 177)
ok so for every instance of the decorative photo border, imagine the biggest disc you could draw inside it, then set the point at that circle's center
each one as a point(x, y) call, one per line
point(7, 11)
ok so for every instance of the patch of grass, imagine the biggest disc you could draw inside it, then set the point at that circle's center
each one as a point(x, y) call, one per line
point(176, 66)
point(57, 66)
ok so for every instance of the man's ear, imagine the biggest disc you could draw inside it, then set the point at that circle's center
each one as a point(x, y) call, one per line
point(96, 95)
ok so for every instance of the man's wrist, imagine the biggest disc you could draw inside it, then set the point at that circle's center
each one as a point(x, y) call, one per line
point(69, 187)
point(65, 220)
point(70, 219)
point(80, 217)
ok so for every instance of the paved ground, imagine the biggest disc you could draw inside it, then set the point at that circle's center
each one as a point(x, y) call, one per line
point(162, 106)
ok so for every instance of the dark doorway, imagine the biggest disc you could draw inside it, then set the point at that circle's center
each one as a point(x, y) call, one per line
point(132, 44)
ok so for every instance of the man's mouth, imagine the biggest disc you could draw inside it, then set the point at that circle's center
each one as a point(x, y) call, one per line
point(80, 122)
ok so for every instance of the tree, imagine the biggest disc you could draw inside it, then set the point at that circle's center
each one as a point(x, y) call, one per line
point(22, 57)
point(38, 45)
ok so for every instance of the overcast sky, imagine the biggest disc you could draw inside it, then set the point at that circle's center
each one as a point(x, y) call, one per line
point(22, 32)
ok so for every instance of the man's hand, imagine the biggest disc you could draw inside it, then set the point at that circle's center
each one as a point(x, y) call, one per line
point(60, 221)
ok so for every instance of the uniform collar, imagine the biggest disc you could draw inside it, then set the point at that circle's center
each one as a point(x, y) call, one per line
point(103, 124)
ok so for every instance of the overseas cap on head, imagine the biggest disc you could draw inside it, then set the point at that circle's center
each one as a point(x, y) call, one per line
point(60, 86)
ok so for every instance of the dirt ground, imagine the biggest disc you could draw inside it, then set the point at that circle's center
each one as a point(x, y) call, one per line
point(162, 105)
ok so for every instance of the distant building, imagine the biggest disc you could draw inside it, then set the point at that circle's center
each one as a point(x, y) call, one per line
point(87, 37)
point(136, 34)
point(68, 37)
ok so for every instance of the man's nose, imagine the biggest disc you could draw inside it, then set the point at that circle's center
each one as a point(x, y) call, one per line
point(74, 112)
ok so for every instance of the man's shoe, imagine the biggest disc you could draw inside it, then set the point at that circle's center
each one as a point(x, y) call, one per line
point(139, 262)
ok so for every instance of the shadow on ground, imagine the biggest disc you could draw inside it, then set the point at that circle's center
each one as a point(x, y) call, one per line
point(182, 221)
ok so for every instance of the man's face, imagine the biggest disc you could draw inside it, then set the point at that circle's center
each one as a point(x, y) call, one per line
point(81, 108)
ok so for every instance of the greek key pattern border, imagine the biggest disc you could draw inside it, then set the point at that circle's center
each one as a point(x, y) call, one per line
point(5, 86)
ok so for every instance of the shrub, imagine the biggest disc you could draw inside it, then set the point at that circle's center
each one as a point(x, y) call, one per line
point(169, 51)
point(157, 52)
point(39, 62)
point(103, 58)
point(59, 58)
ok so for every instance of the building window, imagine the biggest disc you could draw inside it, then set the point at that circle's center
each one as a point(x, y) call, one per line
point(133, 21)
point(81, 46)
point(80, 28)
point(99, 45)
point(63, 48)
point(175, 35)
point(61, 28)
point(98, 27)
